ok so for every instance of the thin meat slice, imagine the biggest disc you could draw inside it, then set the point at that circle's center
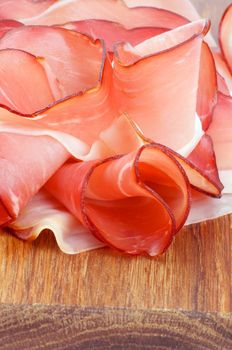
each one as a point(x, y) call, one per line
point(43, 213)
point(203, 158)
point(18, 91)
point(221, 133)
point(8, 24)
point(23, 8)
point(26, 163)
point(207, 91)
point(149, 85)
point(135, 202)
point(225, 36)
point(116, 11)
point(72, 61)
point(223, 74)
point(83, 116)
point(113, 32)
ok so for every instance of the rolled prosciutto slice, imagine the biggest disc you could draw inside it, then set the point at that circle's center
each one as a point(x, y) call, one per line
point(148, 84)
point(225, 36)
point(44, 213)
point(135, 203)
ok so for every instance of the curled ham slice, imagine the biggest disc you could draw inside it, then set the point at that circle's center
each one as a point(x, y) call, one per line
point(16, 85)
point(223, 74)
point(225, 36)
point(220, 131)
point(129, 202)
point(72, 61)
point(19, 180)
point(43, 213)
point(113, 32)
point(207, 91)
point(142, 83)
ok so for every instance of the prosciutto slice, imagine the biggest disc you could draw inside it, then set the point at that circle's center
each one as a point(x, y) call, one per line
point(128, 202)
point(207, 91)
point(142, 83)
point(44, 213)
point(113, 32)
point(225, 36)
point(19, 180)
point(8, 24)
point(16, 85)
point(221, 132)
point(79, 64)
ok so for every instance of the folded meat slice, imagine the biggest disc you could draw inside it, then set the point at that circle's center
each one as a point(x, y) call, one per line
point(135, 202)
point(223, 74)
point(83, 115)
point(26, 163)
point(73, 62)
point(16, 71)
point(220, 131)
point(8, 24)
point(43, 213)
point(207, 91)
point(148, 83)
point(116, 11)
point(225, 36)
point(113, 32)
point(23, 8)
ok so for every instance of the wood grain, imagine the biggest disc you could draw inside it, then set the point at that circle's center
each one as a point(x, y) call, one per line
point(195, 274)
point(60, 328)
point(109, 301)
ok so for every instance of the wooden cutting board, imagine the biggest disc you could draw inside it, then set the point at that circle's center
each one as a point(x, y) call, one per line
point(106, 300)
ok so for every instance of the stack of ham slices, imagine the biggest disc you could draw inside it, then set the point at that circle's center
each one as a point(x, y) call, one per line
point(115, 121)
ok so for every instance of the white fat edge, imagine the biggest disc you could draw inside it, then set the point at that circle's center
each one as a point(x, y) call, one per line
point(198, 133)
point(74, 146)
point(226, 179)
point(147, 46)
point(57, 5)
point(208, 208)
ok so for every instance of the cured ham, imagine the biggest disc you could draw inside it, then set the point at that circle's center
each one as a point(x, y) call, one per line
point(141, 71)
point(207, 91)
point(80, 60)
point(135, 210)
point(225, 36)
point(44, 213)
point(19, 180)
point(116, 119)
point(221, 133)
point(8, 24)
point(113, 32)
point(16, 86)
